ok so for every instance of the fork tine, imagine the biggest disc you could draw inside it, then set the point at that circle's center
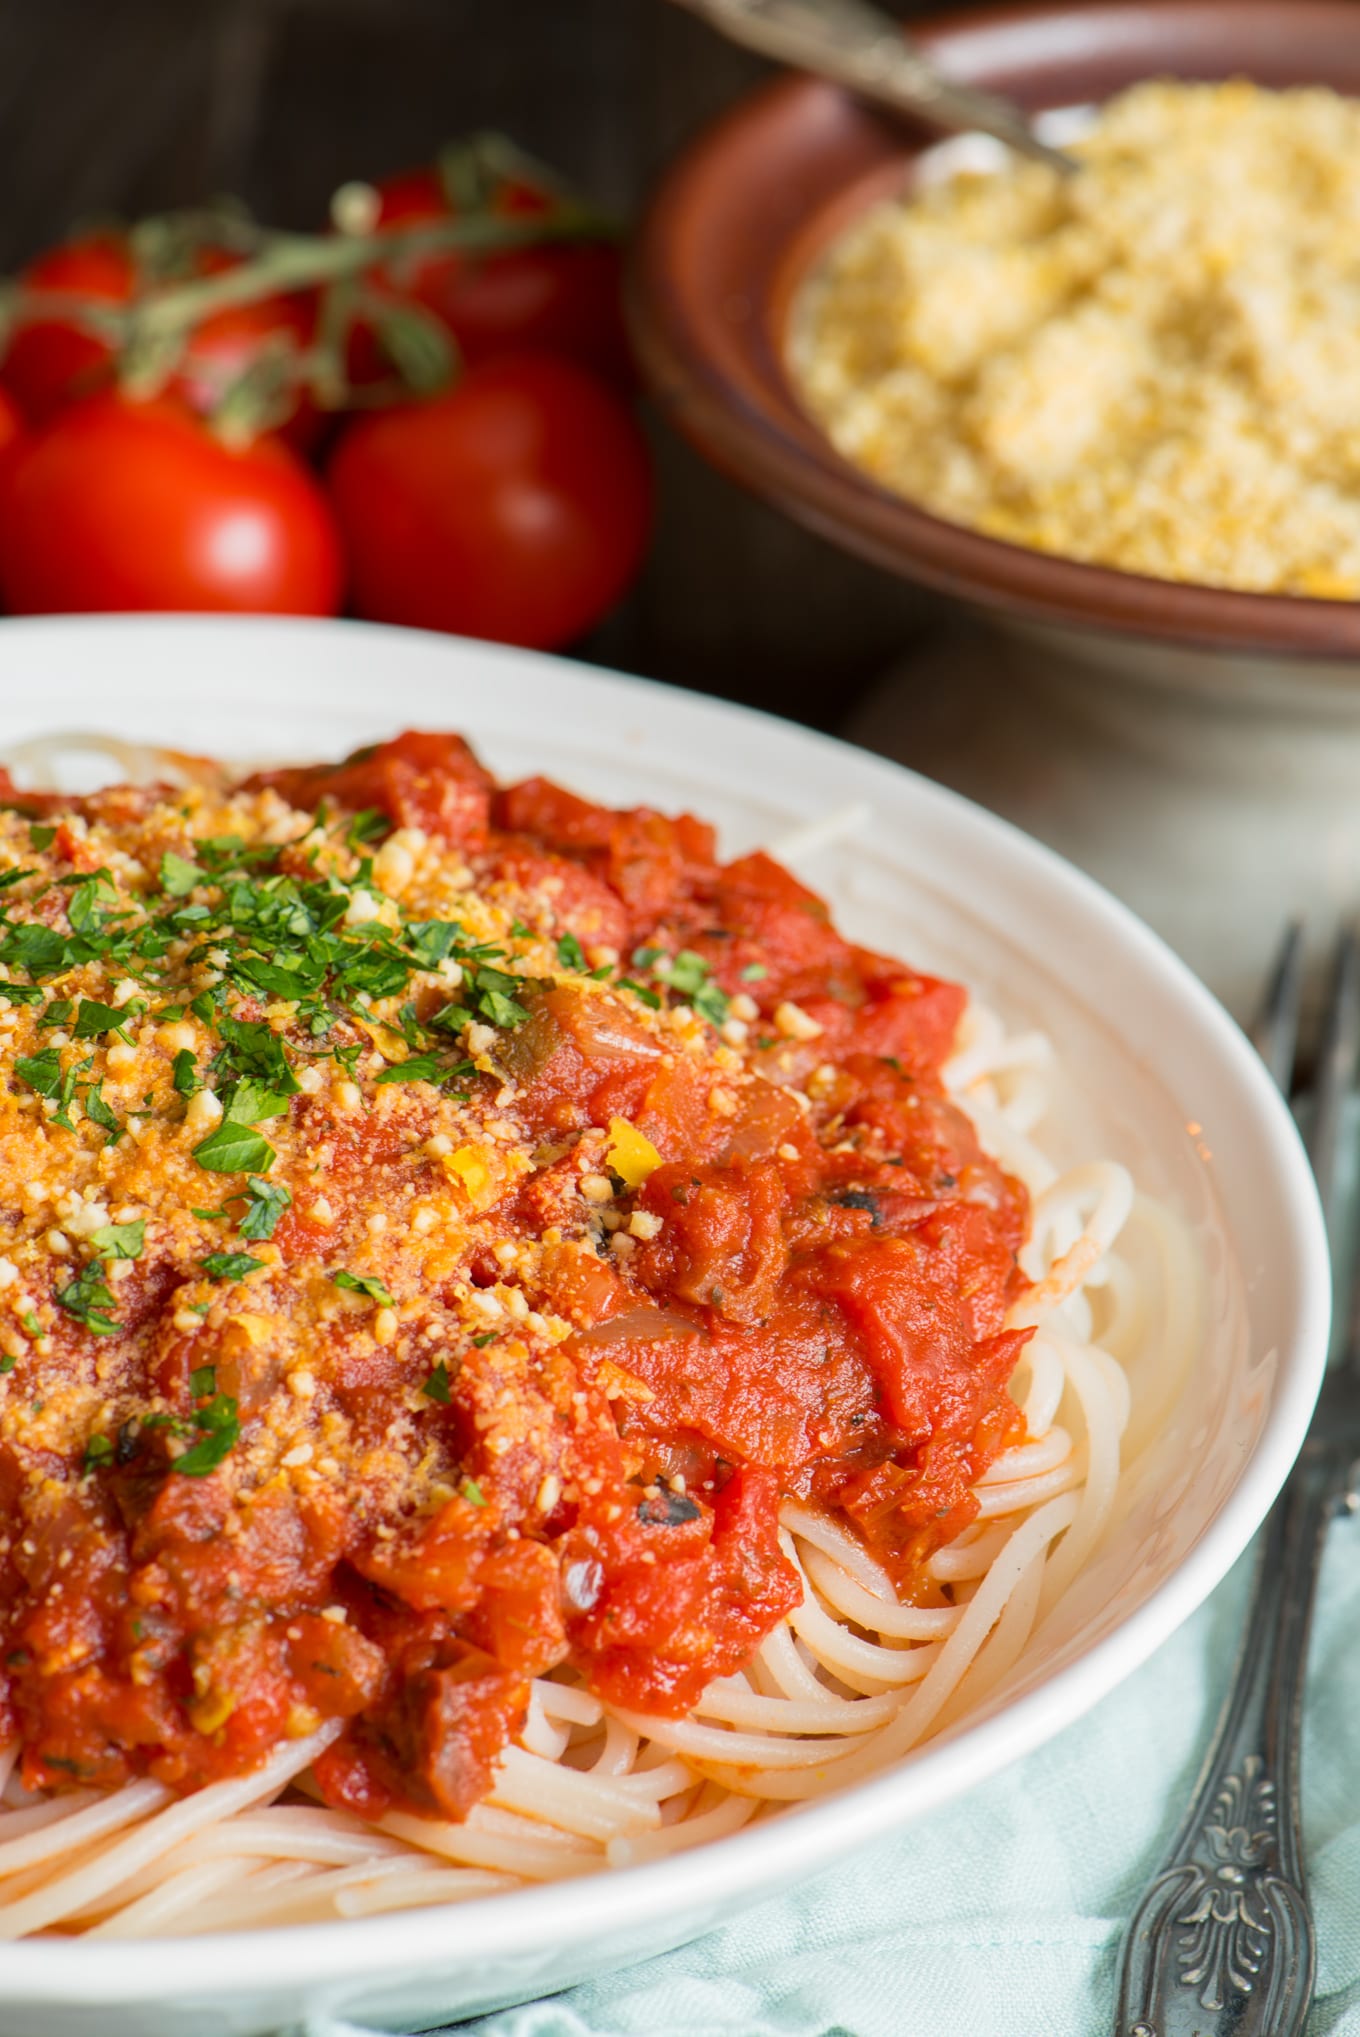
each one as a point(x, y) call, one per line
point(1274, 1031)
point(1335, 1070)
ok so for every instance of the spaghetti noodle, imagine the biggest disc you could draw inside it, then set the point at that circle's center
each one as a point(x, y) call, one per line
point(870, 1636)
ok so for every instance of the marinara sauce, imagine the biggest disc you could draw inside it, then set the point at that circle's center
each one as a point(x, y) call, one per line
point(565, 1284)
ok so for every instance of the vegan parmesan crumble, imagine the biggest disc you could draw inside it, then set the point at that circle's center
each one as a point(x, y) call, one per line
point(1152, 365)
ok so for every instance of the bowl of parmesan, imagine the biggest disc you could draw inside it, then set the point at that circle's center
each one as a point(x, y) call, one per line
point(1113, 417)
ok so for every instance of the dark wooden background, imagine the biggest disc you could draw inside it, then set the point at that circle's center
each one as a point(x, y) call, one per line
point(127, 106)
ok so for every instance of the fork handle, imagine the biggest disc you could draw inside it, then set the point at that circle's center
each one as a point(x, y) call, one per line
point(1222, 1941)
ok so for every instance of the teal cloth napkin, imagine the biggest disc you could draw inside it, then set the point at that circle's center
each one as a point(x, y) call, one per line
point(1000, 1915)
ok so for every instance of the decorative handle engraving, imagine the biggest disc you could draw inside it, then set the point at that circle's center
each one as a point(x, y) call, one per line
point(1222, 1943)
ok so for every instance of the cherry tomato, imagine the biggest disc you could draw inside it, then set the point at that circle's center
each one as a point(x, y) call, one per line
point(515, 507)
point(563, 296)
point(122, 505)
point(12, 429)
point(51, 359)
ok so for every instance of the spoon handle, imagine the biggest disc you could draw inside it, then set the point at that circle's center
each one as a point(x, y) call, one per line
point(866, 50)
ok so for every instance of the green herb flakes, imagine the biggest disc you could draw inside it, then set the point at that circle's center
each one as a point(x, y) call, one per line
point(218, 1428)
point(95, 1019)
point(363, 1283)
point(369, 825)
point(233, 1148)
point(99, 1113)
point(120, 1241)
point(89, 1299)
point(415, 1068)
point(265, 1204)
point(230, 1265)
point(178, 877)
point(436, 1386)
point(184, 1075)
point(99, 1450)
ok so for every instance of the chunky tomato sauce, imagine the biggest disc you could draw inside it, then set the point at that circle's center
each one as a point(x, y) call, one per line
point(563, 1295)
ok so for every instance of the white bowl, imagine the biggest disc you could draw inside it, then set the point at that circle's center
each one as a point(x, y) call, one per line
point(1162, 1079)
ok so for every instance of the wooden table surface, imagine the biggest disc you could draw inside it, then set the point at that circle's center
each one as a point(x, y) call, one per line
point(143, 104)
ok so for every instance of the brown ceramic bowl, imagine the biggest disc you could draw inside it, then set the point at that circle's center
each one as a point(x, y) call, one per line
point(749, 206)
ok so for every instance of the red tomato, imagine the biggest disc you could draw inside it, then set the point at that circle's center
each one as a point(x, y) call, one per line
point(12, 432)
point(52, 360)
point(516, 507)
point(561, 296)
point(121, 505)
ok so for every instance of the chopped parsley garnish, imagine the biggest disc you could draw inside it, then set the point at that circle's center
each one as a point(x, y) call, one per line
point(570, 952)
point(711, 1003)
point(89, 1299)
point(95, 1019)
point(487, 1337)
point(100, 1114)
point(685, 972)
point(99, 1450)
point(431, 941)
point(8, 1361)
point(265, 1204)
point(40, 950)
point(92, 893)
point(203, 1381)
point(451, 1018)
point(363, 1283)
point(649, 997)
point(370, 824)
point(178, 877)
point(31, 1323)
point(230, 1265)
point(472, 1492)
point(436, 1386)
point(22, 993)
point(218, 1430)
point(251, 1102)
point(41, 836)
point(41, 1072)
point(251, 1047)
point(184, 1075)
point(120, 1241)
point(415, 1068)
point(57, 1013)
point(754, 972)
point(233, 1148)
point(688, 975)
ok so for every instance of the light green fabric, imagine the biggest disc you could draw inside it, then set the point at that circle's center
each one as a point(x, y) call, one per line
point(1000, 1915)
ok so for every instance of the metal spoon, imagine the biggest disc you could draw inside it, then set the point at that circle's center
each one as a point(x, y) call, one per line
point(857, 46)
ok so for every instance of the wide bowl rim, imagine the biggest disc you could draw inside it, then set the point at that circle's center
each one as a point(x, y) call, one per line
point(775, 448)
point(78, 1973)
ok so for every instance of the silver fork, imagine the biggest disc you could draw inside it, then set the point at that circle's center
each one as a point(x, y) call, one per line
point(1222, 1943)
